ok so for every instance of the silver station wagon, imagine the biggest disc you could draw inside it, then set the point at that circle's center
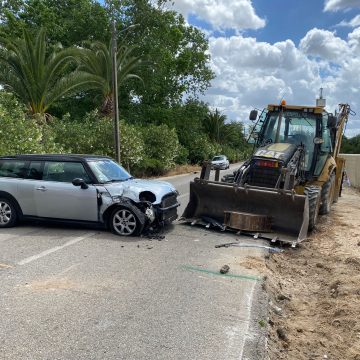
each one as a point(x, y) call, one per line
point(82, 188)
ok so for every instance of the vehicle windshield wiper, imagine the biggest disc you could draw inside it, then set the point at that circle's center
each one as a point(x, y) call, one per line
point(117, 180)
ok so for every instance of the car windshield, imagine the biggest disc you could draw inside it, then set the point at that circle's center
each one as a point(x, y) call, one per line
point(217, 158)
point(107, 171)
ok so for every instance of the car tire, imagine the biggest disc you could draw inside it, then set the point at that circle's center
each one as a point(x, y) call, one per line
point(313, 193)
point(327, 195)
point(8, 213)
point(125, 221)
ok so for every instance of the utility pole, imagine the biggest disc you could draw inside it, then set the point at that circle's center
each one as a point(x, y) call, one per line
point(115, 92)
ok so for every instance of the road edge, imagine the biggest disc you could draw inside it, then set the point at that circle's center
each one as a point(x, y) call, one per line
point(255, 347)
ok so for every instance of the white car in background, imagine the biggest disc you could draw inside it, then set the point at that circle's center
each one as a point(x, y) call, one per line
point(220, 162)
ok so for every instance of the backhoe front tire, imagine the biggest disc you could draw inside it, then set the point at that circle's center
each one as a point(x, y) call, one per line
point(327, 195)
point(313, 194)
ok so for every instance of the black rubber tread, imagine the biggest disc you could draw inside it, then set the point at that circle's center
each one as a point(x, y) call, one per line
point(140, 218)
point(342, 183)
point(313, 193)
point(14, 214)
point(327, 195)
point(338, 194)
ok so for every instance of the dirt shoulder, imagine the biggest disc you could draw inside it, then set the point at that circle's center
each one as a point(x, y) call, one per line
point(315, 290)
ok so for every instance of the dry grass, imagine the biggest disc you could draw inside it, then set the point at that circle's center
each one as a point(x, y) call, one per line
point(183, 169)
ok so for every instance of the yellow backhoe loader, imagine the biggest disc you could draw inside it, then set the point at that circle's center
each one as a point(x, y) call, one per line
point(294, 174)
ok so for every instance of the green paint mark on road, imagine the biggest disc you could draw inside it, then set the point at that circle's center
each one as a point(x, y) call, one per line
point(244, 277)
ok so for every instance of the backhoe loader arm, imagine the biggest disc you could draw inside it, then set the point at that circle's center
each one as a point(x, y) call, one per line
point(343, 116)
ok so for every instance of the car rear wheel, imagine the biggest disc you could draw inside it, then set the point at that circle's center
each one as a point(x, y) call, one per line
point(124, 222)
point(8, 215)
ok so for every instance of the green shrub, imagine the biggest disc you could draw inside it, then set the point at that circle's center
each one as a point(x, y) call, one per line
point(183, 155)
point(162, 144)
point(200, 148)
point(149, 167)
point(19, 134)
point(95, 135)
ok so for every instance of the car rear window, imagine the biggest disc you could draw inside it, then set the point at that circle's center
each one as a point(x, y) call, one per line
point(12, 168)
point(64, 171)
point(35, 170)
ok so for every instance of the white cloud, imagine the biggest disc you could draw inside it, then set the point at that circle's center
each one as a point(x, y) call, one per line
point(222, 14)
point(354, 22)
point(251, 73)
point(354, 41)
point(325, 44)
point(336, 5)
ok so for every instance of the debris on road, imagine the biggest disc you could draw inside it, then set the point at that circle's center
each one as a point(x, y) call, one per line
point(154, 233)
point(5, 266)
point(237, 244)
point(225, 269)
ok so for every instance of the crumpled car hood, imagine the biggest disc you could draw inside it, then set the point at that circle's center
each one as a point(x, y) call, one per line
point(132, 188)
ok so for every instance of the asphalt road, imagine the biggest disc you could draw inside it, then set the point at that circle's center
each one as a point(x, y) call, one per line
point(75, 293)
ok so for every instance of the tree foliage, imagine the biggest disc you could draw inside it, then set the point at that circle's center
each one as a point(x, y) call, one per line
point(351, 146)
point(178, 51)
point(96, 61)
point(164, 121)
point(94, 134)
point(18, 134)
point(69, 22)
point(37, 75)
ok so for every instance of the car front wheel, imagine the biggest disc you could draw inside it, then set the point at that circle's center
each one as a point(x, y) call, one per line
point(124, 222)
point(8, 215)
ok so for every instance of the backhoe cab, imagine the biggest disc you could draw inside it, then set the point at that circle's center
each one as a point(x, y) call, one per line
point(294, 174)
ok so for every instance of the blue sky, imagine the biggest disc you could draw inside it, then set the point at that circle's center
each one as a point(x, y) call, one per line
point(293, 18)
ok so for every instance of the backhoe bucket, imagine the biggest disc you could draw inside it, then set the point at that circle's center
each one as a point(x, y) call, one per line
point(288, 212)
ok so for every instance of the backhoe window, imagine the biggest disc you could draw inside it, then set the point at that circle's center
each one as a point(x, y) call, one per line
point(296, 128)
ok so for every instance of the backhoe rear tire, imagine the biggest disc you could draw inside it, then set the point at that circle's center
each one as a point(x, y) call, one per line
point(313, 193)
point(327, 195)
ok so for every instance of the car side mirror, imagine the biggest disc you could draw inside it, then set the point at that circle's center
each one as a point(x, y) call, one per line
point(332, 122)
point(80, 182)
point(253, 115)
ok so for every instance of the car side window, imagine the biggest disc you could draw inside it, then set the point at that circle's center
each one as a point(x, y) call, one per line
point(12, 168)
point(64, 171)
point(35, 171)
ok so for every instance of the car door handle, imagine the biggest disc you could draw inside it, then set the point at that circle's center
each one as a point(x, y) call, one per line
point(41, 188)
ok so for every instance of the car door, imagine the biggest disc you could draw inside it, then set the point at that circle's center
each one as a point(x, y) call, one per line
point(56, 197)
point(26, 189)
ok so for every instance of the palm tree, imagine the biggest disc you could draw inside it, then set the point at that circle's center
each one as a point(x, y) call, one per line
point(96, 61)
point(214, 125)
point(38, 75)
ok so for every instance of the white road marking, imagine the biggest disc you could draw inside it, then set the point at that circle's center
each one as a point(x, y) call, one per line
point(248, 306)
point(54, 249)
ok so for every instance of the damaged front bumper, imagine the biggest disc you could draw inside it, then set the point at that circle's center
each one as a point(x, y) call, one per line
point(167, 210)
